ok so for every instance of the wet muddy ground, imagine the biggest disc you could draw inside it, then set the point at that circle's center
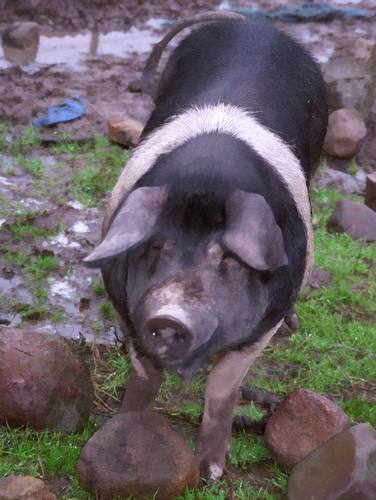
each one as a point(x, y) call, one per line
point(95, 58)
point(54, 181)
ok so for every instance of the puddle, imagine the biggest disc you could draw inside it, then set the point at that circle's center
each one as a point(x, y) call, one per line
point(73, 50)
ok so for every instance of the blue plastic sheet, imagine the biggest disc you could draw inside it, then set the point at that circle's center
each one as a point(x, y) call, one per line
point(305, 13)
point(68, 110)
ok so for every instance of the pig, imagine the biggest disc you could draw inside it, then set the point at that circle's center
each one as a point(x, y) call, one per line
point(207, 237)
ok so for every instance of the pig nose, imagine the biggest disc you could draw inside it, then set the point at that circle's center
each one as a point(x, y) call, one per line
point(167, 337)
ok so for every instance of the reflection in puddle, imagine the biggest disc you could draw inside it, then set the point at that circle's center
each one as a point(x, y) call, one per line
point(73, 50)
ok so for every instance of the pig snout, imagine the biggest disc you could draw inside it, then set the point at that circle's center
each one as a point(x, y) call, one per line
point(173, 322)
point(167, 337)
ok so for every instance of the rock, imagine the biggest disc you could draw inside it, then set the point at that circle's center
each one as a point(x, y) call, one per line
point(319, 278)
point(345, 132)
point(343, 468)
point(125, 132)
point(137, 453)
point(350, 75)
point(355, 219)
point(42, 383)
point(21, 35)
point(24, 488)
point(335, 179)
point(303, 422)
point(371, 191)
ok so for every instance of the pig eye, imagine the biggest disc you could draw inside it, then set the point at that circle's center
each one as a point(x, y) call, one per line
point(156, 247)
point(265, 276)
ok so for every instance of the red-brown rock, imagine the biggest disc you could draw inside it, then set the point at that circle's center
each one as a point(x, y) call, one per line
point(24, 488)
point(355, 219)
point(371, 191)
point(43, 384)
point(125, 132)
point(345, 132)
point(137, 454)
point(303, 422)
point(343, 468)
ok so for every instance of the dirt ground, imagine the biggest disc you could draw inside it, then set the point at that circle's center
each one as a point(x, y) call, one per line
point(94, 49)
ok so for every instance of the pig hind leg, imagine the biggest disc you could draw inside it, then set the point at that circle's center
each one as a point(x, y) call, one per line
point(222, 390)
point(144, 382)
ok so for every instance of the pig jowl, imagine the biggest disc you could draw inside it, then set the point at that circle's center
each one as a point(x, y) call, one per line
point(207, 238)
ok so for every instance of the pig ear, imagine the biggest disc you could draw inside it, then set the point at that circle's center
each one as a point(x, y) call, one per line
point(252, 232)
point(133, 223)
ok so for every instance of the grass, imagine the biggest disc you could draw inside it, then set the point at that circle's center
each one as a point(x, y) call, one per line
point(44, 455)
point(103, 164)
point(333, 353)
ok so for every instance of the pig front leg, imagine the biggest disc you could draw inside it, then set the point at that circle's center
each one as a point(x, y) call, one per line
point(222, 390)
point(143, 385)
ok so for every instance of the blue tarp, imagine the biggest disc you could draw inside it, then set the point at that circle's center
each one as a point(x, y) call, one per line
point(307, 12)
point(68, 110)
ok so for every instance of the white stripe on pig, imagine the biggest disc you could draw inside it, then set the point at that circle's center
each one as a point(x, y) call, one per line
point(224, 119)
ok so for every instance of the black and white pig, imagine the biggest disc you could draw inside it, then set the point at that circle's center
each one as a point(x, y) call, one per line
point(208, 235)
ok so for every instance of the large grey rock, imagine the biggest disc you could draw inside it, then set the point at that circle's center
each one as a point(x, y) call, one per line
point(355, 219)
point(343, 468)
point(137, 454)
point(371, 191)
point(350, 75)
point(335, 179)
point(43, 384)
point(302, 422)
point(24, 488)
point(21, 34)
point(345, 132)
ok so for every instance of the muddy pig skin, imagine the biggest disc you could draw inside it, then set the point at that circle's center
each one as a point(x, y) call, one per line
point(208, 235)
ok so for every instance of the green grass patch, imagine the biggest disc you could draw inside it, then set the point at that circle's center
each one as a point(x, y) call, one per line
point(247, 449)
point(23, 143)
point(103, 164)
point(43, 454)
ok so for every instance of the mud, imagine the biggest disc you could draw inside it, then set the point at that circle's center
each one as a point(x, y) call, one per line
point(94, 49)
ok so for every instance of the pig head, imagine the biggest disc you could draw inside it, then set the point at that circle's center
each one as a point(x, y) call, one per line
point(190, 287)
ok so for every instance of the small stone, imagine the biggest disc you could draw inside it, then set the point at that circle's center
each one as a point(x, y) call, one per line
point(24, 488)
point(319, 278)
point(371, 191)
point(345, 132)
point(355, 219)
point(21, 35)
point(343, 468)
point(303, 422)
point(137, 454)
point(125, 132)
point(43, 384)
point(335, 179)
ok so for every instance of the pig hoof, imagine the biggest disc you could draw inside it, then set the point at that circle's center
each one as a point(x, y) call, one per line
point(215, 472)
point(292, 320)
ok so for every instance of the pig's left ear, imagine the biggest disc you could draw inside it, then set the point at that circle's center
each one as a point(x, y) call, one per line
point(133, 223)
point(252, 232)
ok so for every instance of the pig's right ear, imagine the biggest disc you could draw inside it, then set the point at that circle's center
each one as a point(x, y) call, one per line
point(252, 232)
point(132, 224)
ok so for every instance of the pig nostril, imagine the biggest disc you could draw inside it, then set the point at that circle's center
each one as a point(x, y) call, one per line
point(179, 337)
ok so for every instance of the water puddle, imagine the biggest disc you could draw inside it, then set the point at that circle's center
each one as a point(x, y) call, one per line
point(73, 50)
